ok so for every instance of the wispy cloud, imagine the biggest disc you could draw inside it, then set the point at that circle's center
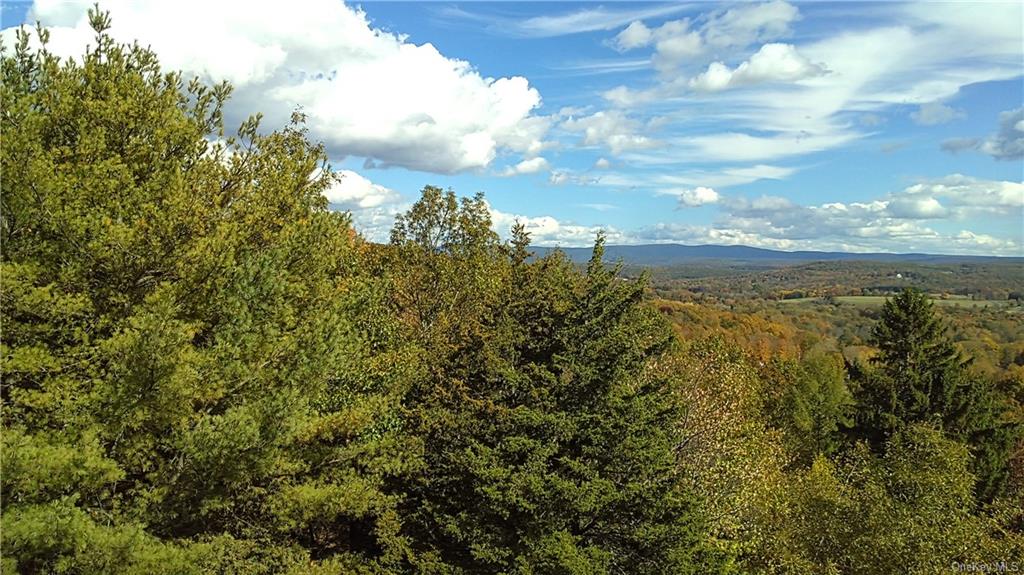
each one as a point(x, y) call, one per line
point(600, 207)
point(801, 99)
point(671, 182)
point(599, 67)
point(574, 22)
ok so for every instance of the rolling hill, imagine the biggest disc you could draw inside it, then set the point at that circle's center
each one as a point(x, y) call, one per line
point(674, 254)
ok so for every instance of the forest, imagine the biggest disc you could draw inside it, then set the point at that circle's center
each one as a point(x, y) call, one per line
point(206, 370)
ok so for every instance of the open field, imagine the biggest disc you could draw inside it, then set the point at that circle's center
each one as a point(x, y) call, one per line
point(877, 300)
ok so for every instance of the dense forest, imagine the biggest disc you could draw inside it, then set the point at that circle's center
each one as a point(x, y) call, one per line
point(206, 370)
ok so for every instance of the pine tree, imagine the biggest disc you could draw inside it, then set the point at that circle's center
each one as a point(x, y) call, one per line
point(550, 444)
point(196, 377)
point(912, 342)
point(921, 378)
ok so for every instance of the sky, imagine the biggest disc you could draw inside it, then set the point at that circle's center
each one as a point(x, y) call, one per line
point(866, 126)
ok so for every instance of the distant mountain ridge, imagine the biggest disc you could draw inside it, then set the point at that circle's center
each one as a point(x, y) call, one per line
point(675, 254)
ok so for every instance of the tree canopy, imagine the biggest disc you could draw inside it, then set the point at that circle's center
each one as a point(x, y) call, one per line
point(207, 370)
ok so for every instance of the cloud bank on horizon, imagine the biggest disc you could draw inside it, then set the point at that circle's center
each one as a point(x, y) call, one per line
point(853, 127)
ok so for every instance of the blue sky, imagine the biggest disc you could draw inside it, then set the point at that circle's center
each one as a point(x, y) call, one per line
point(837, 126)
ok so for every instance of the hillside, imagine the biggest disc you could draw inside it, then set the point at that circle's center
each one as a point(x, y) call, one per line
point(675, 254)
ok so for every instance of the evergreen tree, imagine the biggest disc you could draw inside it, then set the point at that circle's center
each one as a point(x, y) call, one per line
point(196, 376)
point(549, 443)
point(920, 377)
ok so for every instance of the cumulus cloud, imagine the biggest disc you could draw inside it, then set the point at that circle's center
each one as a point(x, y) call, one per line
point(934, 113)
point(675, 42)
point(373, 207)
point(772, 63)
point(351, 191)
point(749, 24)
point(602, 164)
point(531, 166)
point(900, 240)
point(367, 92)
point(965, 195)
point(696, 197)
point(633, 36)
point(549, 231)
point(612, 129)
point(896, 222)
point(909, 207)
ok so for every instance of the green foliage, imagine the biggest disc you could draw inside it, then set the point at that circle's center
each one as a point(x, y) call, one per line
point(913, 346)
point(180, 341)
point(905, 511)
point(730, 456)
point(921, 378)
point(204, 370)
point(549, 443)
point(810, 403)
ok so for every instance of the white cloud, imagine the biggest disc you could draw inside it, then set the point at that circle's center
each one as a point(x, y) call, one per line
point(373, 207)
point(531, 166)
point(679, 41)
point(723, 178)
point(966, 195)
point(562, 177)
point(745, 147)
point(352, 191)
point(895, 240)
point(602, 164)
point(626, 97)
point(957, 145)
point(375, 224)
point(612, 129)
point(772, 63)
point(584, 20)
point(633, 36)
point(366, 92)
point(600, 207)
point(549, 231)
point(870, 69)
point(908, 207)
point(894, 223)
point(675, 42)
point(598, 67)
point(751, 23)
point(934, 113)
point(699, 196)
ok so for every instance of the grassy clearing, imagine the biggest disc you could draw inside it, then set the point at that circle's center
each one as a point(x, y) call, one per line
point(878, 300)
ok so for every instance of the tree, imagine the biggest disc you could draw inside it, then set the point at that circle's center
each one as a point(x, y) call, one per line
point(913, 346)
point(907, 510)
point(548, 438)
point(810, 402)
point(188, 346)
point(920, 377)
